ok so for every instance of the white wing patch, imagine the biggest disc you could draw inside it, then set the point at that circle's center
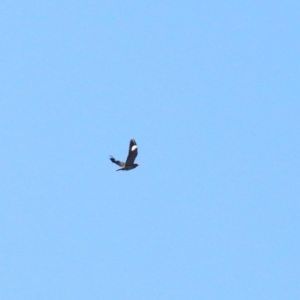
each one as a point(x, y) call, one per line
point(133, 147)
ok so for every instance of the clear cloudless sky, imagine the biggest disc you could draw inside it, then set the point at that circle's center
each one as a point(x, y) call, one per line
point(210, 90)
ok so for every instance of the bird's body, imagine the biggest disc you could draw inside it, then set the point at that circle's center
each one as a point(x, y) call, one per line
point(129, 164)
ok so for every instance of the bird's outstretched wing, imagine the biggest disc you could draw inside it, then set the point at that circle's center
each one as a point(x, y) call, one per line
point(132, 154)
point(117, 162)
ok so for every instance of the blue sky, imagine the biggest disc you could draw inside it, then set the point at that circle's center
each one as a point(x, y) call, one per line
point(210, 92)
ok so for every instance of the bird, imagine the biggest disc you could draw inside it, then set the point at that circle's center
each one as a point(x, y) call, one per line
point(132, 154)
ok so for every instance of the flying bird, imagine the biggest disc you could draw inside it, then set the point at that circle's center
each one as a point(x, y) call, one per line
point(132, 154)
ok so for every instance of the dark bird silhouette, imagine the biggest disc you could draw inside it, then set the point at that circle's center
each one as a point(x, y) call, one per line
point(132, 154)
